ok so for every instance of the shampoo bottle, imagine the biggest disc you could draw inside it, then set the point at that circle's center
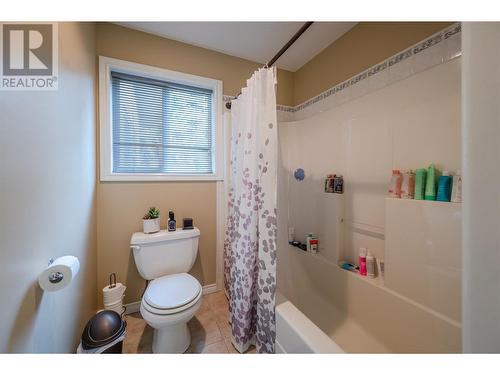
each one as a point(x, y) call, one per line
point(431, 183)
point(420, 179)
point(395, 186)
point(456, 190)
point(362, 261)
point(408, 185)
point(370, 265)
point(444, 187)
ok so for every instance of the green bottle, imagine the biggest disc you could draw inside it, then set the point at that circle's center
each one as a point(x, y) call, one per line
point(431, 183)
point(420, 178)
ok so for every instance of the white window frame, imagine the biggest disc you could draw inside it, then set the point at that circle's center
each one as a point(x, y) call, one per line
point(106, 66)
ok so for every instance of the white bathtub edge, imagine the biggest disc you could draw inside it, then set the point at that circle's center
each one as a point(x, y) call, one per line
point(295, 333)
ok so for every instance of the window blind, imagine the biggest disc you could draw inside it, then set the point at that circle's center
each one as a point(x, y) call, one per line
point(161, 127)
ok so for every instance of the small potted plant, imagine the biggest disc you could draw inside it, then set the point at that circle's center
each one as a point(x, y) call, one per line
point(151, 221)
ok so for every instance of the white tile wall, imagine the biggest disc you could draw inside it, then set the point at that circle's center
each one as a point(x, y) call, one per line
point(408, 124)
point(401, 70)
point(406, 116)
point(423, 253)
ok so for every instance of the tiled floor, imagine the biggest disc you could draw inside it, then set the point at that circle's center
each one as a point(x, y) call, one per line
point(210, 330)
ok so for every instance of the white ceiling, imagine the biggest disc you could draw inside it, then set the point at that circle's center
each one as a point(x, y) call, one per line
point(256, 41)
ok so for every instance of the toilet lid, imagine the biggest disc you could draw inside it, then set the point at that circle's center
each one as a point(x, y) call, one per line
point(172, 291)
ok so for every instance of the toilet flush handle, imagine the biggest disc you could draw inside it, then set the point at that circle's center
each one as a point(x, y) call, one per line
point(133, 247)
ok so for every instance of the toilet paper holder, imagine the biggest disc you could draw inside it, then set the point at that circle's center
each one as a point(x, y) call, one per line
point(55, 277)
point(112, 280)
point(59, 273)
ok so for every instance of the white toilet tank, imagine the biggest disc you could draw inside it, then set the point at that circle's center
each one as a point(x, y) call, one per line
point(164, 253)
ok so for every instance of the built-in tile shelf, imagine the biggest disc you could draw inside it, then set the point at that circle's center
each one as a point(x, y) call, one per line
point(423, 201)
point(377, 281)
point(380, 283)
point(372, 230)
point(378, 231)
point(317, 255)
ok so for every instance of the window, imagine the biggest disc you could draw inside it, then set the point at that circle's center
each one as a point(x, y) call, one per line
point(157, 124)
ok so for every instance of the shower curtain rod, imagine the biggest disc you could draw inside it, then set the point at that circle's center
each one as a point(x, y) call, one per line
point(270, 63)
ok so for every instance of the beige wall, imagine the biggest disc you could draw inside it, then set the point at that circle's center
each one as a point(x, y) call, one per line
point(120, 210)
point(363, 46)
point(132, 45)
point(121, 205)
point(47, 201)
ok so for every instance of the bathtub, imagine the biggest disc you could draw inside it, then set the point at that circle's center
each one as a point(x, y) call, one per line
point(322, 308)
point(295, 333)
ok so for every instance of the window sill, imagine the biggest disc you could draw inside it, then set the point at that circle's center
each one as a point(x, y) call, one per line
point(148, 177)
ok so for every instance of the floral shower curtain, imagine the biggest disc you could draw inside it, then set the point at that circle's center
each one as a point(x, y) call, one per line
point(251, 230)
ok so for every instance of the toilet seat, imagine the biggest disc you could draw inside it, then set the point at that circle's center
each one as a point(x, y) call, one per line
point(172, 294)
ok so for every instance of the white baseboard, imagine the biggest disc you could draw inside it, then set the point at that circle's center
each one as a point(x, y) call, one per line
point(133, 307)
point(210, 288)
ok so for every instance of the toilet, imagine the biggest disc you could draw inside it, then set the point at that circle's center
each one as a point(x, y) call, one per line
point(172, 296)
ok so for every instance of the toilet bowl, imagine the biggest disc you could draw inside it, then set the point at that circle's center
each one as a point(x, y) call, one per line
point(172, 296)
point(168, 304)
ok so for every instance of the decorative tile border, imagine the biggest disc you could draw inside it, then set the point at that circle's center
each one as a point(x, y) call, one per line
point(399, 57)
point(376, 69)
point(428, 43)
point(393, 60)
point(453, 30)
point(285, 108)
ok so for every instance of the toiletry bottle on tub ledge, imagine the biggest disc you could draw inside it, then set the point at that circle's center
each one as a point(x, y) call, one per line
point(329, 183)
point(431, 183)
point(395, 185)
point(338, 184)
point(370, 265)
point(456, 190)
point(312, 243)
point(362, 261)
point(420, 181)
point(444, 187)
point(408, 185)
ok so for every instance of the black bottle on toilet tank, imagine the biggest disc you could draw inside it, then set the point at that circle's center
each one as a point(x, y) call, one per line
point(171, 225)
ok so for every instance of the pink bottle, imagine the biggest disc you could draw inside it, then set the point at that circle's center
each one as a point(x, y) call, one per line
point(395, 186)
point(362, 261)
